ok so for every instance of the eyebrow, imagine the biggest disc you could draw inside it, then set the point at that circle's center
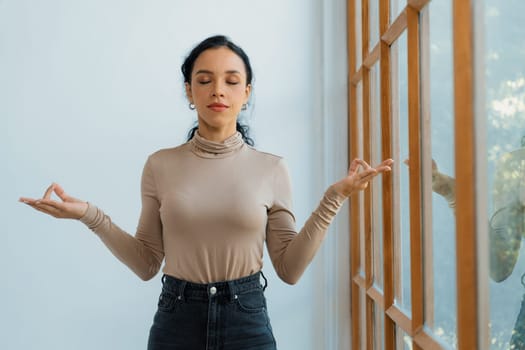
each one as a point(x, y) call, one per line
point(204, 71)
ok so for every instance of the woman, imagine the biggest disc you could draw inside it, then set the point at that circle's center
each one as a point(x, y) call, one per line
point(506, 225)
point(208, 206)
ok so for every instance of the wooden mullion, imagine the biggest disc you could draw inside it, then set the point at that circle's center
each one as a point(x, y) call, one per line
point(372, 57)
point(359, 281)
point(414, 128)
point(369, 323)
point(386, 152)
point(467, 283)
point(354, 248)
point(426, 159)
point(400, 319)
point(350, 38)
point(425, 341)
point(356, 78)
point(396, 29)
point(377, 296)
point(352, 153)
point(369, 339)
point(365, 28)
point(418, 4)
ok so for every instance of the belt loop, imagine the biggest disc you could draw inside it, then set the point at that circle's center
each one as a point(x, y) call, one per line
point(182, 286)
point(265, 281)
point(233, 290)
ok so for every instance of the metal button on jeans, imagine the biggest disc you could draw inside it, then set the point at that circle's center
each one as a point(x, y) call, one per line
point(213, 290)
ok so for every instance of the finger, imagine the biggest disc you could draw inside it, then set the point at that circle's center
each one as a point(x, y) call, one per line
point(26, 200)
point(61, 193)
point(50, 203)
point(49, 191)
point(44, 209)
point(386, 165)
point(434, 165)
point(367, 178)
point(363, 177)
point(354, 166)
point(54, 209)
point(383, 168)
point(364, 164)
point(390, 162)
point(367, 175)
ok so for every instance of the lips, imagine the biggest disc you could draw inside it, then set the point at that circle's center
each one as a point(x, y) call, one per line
point(217, 107)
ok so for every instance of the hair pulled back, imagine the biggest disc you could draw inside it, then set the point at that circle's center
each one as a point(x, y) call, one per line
point(214, 42)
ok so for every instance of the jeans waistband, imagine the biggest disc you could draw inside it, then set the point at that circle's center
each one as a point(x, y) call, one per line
point(227, 289)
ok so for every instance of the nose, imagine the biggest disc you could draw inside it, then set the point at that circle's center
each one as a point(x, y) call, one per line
point(217, 90)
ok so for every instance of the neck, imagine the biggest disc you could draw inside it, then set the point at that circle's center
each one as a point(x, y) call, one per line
point(205, 148)
point(216, 134)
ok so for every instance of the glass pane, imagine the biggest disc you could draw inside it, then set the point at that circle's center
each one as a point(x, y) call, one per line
point(358, 35)
point(379, 328)
point(403, 340)
point(376, 186)
point(373, 11)
point(438, 107)
point(400, 171)
point(504, 58)
point(396, 6)
point(359, 152)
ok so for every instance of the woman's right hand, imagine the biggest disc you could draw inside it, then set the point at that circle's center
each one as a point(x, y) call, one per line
point(68, 208)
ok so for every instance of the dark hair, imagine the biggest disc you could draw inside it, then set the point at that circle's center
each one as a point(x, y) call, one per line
point(214, 42)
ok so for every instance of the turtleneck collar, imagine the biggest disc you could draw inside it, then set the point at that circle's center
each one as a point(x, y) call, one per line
point(210, 149)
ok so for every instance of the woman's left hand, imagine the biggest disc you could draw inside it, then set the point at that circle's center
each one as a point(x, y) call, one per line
point(359, 175)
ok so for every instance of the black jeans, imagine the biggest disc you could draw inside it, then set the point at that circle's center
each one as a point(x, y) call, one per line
point(227, 315)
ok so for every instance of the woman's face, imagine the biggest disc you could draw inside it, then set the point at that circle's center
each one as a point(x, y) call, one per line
point(218, 89)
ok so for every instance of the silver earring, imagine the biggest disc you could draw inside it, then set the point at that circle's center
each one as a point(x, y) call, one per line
point(192, 106)
point(244, 106)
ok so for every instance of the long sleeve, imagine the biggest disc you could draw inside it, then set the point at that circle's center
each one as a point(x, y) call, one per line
point(445, 186)
point(144, 252)
point(291, 252)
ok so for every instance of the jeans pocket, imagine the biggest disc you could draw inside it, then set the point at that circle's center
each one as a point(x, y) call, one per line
point(167, 301)
point(251, 302)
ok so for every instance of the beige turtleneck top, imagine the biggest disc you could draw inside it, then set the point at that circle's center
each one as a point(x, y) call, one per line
point(208, 208)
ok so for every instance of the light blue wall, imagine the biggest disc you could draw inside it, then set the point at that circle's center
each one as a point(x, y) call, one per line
point(88, 89)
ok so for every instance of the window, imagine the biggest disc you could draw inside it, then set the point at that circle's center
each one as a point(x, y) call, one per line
point(439, 86)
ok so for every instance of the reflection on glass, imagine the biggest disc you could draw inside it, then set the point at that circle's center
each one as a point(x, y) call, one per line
point(505, 123)
point(358, 35)
point(359, 102)
point(403, 340)
point(440, 314)
point(376, 186)
point(396, 7)
point(373, 11)
point(379, 328)
point(401, 217)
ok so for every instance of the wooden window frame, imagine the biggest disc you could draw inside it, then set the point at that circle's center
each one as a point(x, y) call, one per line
point(467, 281)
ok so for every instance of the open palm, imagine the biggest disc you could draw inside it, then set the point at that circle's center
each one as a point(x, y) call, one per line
point(67, 208)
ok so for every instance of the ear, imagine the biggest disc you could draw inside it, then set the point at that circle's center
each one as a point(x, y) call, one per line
point(187, 87)
point(248, 91)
